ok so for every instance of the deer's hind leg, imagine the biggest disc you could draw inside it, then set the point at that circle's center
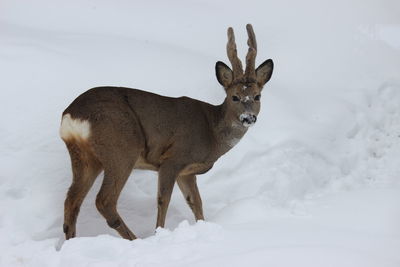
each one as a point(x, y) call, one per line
point(85, 169)
point(121, 145)
point(107, 198)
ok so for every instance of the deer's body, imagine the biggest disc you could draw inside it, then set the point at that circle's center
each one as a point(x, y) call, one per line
point(156, 132)
point(118, 129)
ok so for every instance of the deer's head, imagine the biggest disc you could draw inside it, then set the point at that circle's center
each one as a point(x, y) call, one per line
point(243, 88)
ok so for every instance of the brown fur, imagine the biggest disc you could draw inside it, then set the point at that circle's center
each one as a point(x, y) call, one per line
point(178, 137)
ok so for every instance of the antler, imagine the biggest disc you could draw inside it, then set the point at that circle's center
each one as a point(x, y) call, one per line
point(251, 54)
point(232, 55)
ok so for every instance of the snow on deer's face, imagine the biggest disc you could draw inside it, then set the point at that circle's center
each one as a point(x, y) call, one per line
point(244, 101)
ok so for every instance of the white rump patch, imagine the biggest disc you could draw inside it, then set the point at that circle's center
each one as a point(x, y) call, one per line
point(74, 128)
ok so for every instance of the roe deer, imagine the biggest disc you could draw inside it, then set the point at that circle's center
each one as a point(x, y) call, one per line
point(118, 129)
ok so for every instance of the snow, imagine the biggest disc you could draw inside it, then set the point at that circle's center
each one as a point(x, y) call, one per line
point(315, 182)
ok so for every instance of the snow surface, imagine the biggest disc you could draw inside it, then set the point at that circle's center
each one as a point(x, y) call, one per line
point(314, 183)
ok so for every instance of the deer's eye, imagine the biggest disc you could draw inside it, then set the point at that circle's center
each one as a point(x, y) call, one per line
point(257, 97)
point(235, 98)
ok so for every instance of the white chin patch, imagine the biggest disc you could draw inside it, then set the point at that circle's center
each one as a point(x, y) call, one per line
point(246, 124)
point(74, 128)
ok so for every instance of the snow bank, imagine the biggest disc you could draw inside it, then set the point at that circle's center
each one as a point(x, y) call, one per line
point(313, 240)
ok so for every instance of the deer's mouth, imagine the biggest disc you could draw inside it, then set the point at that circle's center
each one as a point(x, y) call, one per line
point(247, 119)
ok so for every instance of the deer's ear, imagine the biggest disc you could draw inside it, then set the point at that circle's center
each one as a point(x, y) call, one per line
point(224, 74)
point(264, 72)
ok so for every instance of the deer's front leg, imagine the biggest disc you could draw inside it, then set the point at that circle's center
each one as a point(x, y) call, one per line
point(166, 179)
point(189, 189)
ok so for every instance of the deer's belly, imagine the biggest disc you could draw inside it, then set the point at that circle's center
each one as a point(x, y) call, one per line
point(143, 164)
point(191, 169)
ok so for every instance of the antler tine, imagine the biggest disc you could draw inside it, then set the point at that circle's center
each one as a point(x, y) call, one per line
point(232, 54)
point(252, 53)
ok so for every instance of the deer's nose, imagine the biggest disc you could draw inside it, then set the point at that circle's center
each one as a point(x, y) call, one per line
point(247, 119)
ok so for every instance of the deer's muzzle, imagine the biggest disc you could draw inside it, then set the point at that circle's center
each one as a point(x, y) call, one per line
point(247, 119)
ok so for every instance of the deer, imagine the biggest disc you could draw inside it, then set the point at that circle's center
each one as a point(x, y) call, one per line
point(119, 129)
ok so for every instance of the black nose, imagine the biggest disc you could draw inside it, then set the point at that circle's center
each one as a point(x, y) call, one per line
point(249, 119)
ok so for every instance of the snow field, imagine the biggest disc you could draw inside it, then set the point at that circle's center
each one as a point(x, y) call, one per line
point(314, 183)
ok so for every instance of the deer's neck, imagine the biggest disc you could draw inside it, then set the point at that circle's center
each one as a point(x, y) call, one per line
point(227, 129)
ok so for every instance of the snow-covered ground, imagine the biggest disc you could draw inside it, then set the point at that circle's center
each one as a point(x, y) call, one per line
point(315, 183)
